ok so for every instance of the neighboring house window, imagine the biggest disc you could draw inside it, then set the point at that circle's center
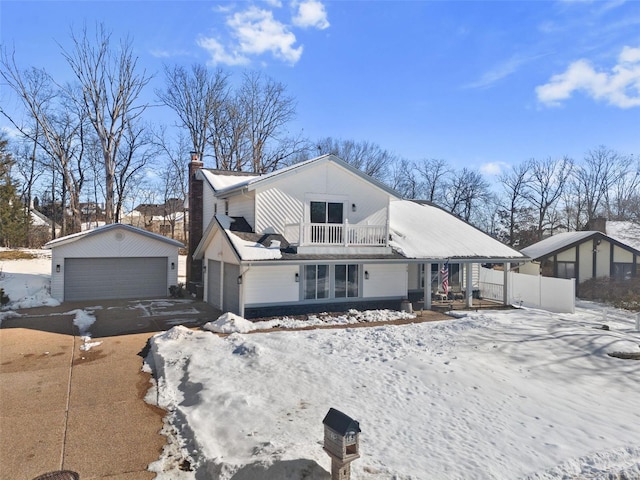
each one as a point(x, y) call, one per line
point(346, 281)
point(566, 269)
point(316, 281)
point(622, 271)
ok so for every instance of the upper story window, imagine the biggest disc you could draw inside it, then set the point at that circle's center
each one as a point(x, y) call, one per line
point(326, 212)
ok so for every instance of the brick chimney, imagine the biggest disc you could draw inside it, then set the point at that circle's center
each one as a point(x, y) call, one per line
point(194, 267)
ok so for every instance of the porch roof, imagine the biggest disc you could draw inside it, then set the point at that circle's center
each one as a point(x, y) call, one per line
point(423, 231)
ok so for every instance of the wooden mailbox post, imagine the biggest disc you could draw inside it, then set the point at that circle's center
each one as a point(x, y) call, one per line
point(341, 442)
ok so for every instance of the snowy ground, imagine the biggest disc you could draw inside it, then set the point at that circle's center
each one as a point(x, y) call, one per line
point(511, 394)
point(493, 395)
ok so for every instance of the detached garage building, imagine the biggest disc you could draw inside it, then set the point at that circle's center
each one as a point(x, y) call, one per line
point(112, 262)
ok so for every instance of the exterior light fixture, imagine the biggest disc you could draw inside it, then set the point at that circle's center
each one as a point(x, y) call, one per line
point(353, 207)
point(240, 280)
point(58, 268)
point(297, 277)
point(173, 266)
point(204, 268)
point(366, 275)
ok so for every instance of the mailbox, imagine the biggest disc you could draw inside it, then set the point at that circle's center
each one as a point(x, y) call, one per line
point(341, 442)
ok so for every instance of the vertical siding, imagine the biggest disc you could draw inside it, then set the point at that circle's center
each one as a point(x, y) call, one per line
point(284, 201)
point(271, 284)
point(386, 280)
point(243, 206)
point(276, 208)
point(208, 202)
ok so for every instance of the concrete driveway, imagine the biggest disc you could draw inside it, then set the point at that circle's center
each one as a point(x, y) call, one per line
point(65, 408)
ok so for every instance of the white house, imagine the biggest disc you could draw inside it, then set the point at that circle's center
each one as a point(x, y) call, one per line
point(321, 236)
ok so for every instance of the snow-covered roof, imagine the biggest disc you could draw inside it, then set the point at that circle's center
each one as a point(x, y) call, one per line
point(625, 232)
point(246, 250)
point(425, 231)
point(105, 228)
point(226, 180)
point(555, 243)
point(225, 183)
point(564, 240)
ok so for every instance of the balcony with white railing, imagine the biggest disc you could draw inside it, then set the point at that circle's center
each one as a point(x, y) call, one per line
point(319, 237)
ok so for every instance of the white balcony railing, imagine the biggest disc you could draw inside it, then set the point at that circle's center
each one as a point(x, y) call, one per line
point(333, 234)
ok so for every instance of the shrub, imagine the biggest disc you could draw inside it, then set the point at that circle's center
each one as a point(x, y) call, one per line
point(4, 299)
point(620, 294)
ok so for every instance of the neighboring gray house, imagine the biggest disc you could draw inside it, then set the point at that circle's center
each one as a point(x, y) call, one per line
point(581, 255)
point(111, 262)
point(321, 236)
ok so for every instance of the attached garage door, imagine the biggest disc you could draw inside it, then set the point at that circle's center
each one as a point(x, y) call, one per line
point(113, 278)
point(214, 269)
point(231, 293)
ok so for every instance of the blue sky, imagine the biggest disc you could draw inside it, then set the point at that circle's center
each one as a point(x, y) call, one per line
point(479, 84)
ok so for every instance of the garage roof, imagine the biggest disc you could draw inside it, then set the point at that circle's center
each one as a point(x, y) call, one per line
point(105, 228)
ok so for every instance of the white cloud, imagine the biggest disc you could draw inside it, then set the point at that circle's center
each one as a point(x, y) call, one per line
point(493, 168)
point(255, 31)
point(219, 53)
point(310, 13)
point(503, 70)
point(620, 87)
point(258, 32)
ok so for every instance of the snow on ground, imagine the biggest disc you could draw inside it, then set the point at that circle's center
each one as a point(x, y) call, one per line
point(493, 395)
point(26, 282)
point(231, 323)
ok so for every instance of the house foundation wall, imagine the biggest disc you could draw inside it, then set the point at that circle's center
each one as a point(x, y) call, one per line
point(301, 309)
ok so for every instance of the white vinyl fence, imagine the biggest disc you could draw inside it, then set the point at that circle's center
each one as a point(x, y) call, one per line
point(556, 295)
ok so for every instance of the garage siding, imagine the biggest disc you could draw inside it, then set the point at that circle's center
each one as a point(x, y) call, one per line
point(115, 278)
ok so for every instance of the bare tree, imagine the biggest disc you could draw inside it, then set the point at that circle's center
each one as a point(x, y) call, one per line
point(547, 183)
point(366, 156)
point(198, 97)
point(135, 153)
point(58, 127)
point(466, 189)
point(514, 184)
point(403, 179)
point(175, 182)
point(110, 86)
point(267, 110)
point(434, 174)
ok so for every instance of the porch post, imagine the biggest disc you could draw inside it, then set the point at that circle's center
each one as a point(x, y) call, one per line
point(469, 273)
point(427, 286)
point(505, 281)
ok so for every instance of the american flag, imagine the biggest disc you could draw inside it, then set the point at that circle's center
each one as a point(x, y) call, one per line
point(445, 278)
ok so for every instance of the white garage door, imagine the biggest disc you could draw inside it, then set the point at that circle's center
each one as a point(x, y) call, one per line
point(113, 278)
point(213, 283)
